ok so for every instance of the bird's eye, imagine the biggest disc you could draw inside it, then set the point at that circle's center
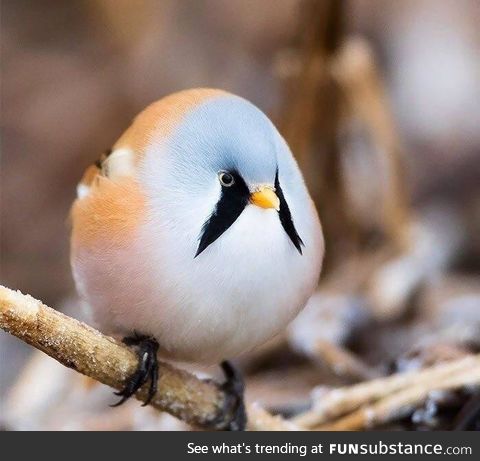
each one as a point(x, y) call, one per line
point(226, 179)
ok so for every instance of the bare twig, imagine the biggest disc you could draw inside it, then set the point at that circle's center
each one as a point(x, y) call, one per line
point(91, 353)
point(393, 393)
point(401, 403)
point(342, 362)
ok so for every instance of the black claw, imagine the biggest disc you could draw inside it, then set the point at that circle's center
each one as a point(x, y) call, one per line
point(152, 390)
point(147, 369)
point(234, 388)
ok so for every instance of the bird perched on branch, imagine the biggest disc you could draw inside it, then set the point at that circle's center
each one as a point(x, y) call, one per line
point(197, 232)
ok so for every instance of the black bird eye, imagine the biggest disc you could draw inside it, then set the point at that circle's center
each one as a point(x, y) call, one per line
point(226, 179)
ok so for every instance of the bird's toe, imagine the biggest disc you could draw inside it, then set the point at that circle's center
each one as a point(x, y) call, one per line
point(147, 368)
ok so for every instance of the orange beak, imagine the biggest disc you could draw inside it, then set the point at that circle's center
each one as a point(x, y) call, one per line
point(265, 197)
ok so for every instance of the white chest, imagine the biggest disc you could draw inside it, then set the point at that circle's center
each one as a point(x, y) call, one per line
point(238, 293)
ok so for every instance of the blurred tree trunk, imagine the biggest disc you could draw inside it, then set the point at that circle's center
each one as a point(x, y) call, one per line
point(310, 119)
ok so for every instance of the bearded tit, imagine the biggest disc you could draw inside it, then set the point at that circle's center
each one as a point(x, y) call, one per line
point(196, 231)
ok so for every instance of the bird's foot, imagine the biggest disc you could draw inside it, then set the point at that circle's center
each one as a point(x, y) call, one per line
point(234, 401)
point(147, 348)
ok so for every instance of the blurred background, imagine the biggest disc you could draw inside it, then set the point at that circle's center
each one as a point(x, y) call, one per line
point(380, 102)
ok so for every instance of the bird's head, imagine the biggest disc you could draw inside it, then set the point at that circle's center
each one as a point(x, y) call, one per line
point(212, 156)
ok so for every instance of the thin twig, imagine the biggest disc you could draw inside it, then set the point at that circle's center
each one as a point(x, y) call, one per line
point(400, 404)
point(342, 362)
point(342, 401)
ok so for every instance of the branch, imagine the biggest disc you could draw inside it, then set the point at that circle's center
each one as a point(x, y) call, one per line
point(381, 400)
point(342, 362)
point(400, 404)
point(100, 357)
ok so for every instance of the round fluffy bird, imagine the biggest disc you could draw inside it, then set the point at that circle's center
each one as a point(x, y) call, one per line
point(196, 232)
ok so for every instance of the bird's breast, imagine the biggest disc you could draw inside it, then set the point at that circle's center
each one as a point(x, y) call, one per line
point(242, 290)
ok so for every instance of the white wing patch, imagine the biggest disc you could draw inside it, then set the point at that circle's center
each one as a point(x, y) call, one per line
point(82, 190)
point(119, 163)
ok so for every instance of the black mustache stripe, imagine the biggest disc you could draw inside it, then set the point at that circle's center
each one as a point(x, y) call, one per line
point(230, 206)
point(286, 217)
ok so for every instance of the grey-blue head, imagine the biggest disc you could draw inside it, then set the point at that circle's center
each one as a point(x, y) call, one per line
point(228, 152)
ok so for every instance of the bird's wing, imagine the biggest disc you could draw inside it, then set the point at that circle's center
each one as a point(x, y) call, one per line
point(112, 164)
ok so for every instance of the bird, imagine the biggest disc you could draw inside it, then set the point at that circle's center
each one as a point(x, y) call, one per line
point(194, 237)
